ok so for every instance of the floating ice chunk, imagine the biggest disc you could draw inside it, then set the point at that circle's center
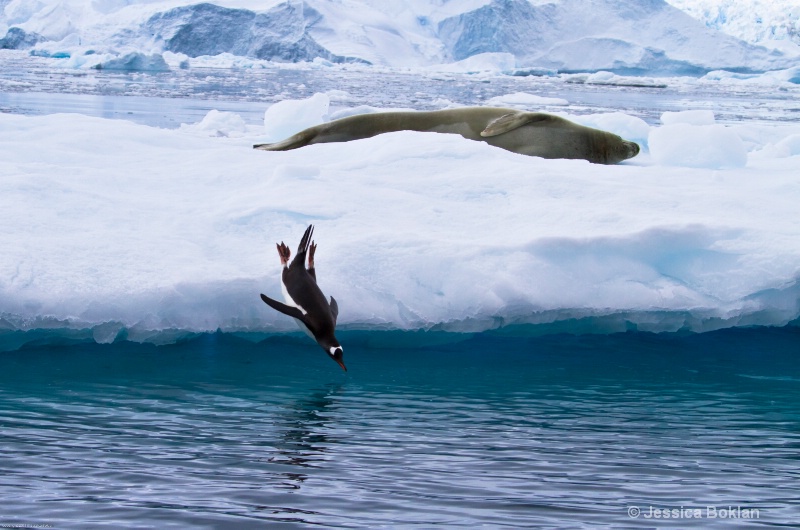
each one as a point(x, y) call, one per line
point(699, 146)
point(692, 117)
point(609, 78)
point(220, 124)
point(285, 118)
point(136, 62)
point(524, 99)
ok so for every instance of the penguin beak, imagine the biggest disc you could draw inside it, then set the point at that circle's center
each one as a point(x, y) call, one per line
point(340, 363)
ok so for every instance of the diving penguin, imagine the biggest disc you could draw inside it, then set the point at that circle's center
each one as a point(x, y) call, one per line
point(304, 299)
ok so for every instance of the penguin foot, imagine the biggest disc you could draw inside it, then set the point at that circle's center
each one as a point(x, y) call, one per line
point(311, 250)
point(284, 253)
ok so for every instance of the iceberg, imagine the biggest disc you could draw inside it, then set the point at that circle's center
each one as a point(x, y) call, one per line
point(119, 231)
point(19, 39)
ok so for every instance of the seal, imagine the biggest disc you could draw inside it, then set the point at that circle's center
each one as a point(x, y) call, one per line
point(526, 133)
point(304, 299)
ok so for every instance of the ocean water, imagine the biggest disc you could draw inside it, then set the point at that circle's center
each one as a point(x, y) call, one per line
point(425, 429)
point(33, 86)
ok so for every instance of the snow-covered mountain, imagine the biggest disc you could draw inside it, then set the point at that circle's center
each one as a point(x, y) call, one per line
point(629, 37)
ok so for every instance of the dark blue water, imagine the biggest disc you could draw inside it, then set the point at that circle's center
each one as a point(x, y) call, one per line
point(458, 430)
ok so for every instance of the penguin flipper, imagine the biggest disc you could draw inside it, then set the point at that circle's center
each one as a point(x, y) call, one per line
point(334, 310)
point(285, 309)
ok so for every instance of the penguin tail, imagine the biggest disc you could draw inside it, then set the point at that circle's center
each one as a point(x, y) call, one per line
point(302, 249)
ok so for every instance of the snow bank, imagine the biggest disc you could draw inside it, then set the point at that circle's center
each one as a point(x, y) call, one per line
point(693, 139)
point(134, 231)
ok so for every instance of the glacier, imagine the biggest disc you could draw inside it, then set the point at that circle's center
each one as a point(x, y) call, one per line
point(635, 38)
point(125, 231)
point(775, 23)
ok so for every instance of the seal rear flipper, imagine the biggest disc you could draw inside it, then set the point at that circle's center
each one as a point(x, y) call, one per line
point(334, 310)
point(285, 309)
point(511, 121)
point(301, 139)
point(284, 145)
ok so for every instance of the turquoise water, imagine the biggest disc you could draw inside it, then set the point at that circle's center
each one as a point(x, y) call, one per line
point(453, 430)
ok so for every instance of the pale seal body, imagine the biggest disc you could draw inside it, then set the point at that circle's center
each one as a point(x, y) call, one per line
point(526, 133)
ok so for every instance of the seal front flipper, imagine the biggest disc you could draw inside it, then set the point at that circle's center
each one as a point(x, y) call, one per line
point(285, 309)
point(511, 121)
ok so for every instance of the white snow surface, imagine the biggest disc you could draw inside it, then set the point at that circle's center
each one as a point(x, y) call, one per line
point(110, 225)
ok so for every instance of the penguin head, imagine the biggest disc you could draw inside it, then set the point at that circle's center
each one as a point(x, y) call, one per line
point(335, 352)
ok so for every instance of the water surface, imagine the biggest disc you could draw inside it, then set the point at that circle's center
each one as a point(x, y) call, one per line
point(557, 431)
